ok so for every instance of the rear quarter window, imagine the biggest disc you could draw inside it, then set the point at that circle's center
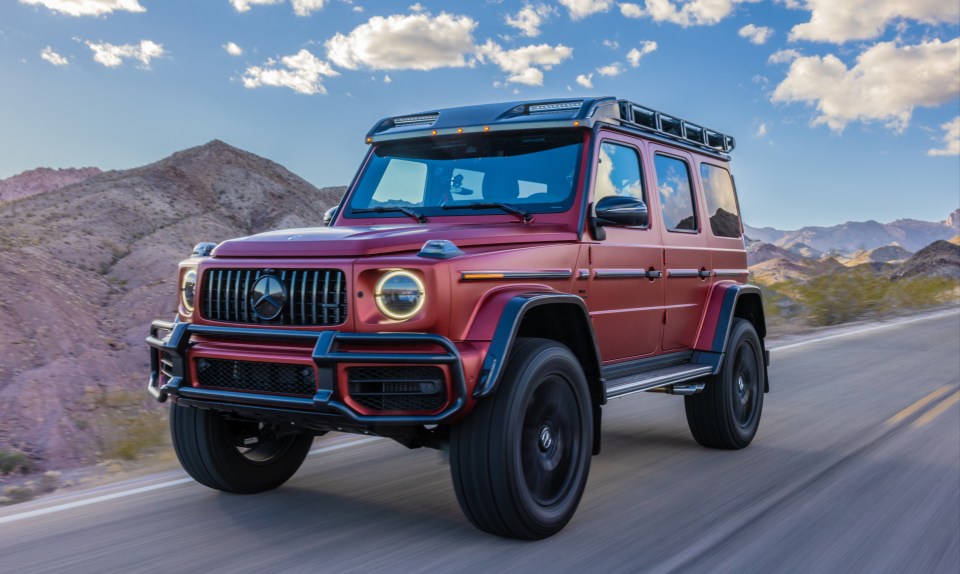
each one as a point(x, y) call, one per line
point(721, 200)
point(676, 194)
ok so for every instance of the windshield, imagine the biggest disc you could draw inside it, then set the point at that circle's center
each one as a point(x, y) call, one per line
point(444, 176)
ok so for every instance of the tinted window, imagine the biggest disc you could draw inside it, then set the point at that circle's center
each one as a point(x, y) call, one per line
point(721, 201)
point(431, 175)
point(618, 172)
point(676, 194)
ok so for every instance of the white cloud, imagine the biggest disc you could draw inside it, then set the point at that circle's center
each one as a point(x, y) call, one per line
point(783, 56)
point(761, 130)
point(529, 19)
point(245, 5)
point(87, 7)
point(357, 9)
point(306, 7)
point(405, 42)
point(585, 80)
point(756, 34)
point(524, 65)
point(233, 49)
point(951, 139)
point(418, 7)
point(612, 44)
point(387, 79)
point(886, 84)
point(54, 58)
point(646, 47)
point(631, 10)
point(839, 22)
point(683, 12)
point(611, 70)
point(300, 72)
point(113, 55)
point(580, 9)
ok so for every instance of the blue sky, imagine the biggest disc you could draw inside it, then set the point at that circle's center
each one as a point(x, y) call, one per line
point(842, 110)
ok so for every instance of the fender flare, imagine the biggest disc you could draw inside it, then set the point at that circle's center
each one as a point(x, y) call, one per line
point(505, 333)
point(718, 321)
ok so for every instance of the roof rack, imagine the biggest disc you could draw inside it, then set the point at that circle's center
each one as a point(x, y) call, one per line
point(648, 119)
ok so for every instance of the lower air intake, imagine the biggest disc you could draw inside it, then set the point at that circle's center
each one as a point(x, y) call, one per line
point(397, 388)
point(276, 378)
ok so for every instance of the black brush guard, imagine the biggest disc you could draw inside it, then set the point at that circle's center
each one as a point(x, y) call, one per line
point(326, 355)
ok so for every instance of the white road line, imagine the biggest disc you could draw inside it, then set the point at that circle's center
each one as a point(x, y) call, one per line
point(861, 331)
point(149, 488)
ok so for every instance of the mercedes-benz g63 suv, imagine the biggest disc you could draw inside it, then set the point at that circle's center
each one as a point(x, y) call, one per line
point(493, 275)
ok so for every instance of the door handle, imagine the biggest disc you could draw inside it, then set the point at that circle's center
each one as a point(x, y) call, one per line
point(705, 273)
point(654, 274)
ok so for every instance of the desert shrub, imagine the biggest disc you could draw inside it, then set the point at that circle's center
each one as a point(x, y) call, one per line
point(852, 294)
point(13, 461)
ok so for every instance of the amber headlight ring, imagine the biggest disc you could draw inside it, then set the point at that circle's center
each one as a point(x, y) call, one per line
point(399, 295)
point(188, 289)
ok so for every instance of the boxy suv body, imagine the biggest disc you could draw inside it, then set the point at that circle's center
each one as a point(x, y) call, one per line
point(492, 277)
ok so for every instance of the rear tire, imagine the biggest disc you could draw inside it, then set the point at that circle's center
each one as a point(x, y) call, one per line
point(727, 413)
point(231, 455)
point(520, 461)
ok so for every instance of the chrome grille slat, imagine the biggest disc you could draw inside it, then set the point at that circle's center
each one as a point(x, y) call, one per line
point(314, 296)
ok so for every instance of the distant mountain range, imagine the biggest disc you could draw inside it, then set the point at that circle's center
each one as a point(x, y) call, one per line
point(852, 236)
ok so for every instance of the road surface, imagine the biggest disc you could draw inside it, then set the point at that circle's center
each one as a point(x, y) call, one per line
point(856, 468)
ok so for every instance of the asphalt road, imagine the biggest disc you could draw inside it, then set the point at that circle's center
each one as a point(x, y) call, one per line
point(856, 468)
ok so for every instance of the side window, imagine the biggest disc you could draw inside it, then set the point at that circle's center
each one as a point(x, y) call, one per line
point(721, 201)
point(618, 172)
point(676, 194)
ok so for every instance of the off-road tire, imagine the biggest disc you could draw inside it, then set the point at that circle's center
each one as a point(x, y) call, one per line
point(727, 413)
point(520, 460)
point(210, 448)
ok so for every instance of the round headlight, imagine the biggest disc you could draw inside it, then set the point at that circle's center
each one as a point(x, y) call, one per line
point(188, 289)
point(399, 295)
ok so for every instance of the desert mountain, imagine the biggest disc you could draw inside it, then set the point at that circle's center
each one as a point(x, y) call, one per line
point(84, 268)
point(939, 259)
point(852, 236)
point(885, 254)
point(42, 180)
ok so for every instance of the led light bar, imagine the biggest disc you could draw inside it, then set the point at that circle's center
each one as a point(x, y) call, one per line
point(416, 120)
point(554, 107)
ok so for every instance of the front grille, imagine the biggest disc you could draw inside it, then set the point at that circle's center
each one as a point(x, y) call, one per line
point(314, 296)
point(397, 388)
point(259, 377)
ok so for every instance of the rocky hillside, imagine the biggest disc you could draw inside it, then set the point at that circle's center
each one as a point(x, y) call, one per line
point(852, 236)
point(885, 254)
point(84, 268)
point(42, 180)
point(939, 259)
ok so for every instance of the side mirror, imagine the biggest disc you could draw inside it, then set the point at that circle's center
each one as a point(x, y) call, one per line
point(329, 216)
point(622, 210)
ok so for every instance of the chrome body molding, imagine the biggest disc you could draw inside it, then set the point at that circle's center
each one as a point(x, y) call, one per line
point(619, 273)
point(683, 273)
point(730, 272)
point(498, 275)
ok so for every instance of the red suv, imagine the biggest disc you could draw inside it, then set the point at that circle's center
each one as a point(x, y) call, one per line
point(493, 275)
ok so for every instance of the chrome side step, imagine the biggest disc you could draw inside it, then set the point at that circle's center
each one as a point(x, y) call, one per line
point(666, 377)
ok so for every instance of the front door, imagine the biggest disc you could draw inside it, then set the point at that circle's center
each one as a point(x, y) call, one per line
point(625, 302)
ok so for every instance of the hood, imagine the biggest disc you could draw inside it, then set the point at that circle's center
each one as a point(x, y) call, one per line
point(372, 240)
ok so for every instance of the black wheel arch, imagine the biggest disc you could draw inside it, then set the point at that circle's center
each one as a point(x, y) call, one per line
point(560, 317)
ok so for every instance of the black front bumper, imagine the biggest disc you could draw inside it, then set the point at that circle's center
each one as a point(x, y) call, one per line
point(323, 409)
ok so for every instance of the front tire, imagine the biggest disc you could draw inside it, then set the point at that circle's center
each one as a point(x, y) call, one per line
point(232, 455)
point(520, 461)
point(727, 413)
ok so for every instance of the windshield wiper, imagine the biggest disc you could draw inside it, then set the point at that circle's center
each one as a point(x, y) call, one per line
point(522, 214)
point(386, 209)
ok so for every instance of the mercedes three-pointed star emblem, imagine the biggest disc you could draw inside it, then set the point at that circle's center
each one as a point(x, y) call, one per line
point(267, 297)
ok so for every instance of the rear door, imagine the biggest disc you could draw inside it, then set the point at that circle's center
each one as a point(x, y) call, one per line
point(686, 259)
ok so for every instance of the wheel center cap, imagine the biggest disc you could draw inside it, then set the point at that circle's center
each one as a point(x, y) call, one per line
point(740, 386)
point(546, 438)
